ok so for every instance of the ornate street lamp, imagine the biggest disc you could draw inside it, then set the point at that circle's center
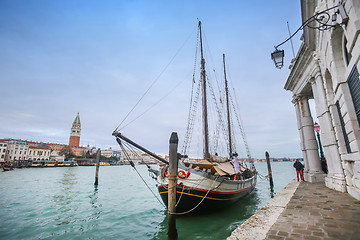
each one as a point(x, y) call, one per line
point(322, 157)
point(317, 130)
point(324, 21)
point(278, 57)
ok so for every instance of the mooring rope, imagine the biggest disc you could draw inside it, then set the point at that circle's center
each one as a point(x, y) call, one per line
point(133, 165)
point(183, 213)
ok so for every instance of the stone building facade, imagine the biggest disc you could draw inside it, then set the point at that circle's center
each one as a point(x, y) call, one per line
point(39, 152)
point(17, 150)
point(3, 149)
point(326, 69)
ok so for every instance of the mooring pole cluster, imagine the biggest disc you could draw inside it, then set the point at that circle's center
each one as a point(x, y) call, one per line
point(173, 168)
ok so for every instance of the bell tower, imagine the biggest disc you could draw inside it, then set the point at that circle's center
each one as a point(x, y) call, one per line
point(75, 132)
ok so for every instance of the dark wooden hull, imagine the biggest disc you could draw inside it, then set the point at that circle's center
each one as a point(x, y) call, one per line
point(7, 169)
point(201, 200)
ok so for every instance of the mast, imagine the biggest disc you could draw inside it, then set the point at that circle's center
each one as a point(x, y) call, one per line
point(227, 107)
point(204, 105)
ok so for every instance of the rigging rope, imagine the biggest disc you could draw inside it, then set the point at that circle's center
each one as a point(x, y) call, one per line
point(220, 119)
point(153, 83)
point(210, 189)
point(193, 105)
point(191, 120)
point(242, 132)
point(127, 157)
point(156, 103)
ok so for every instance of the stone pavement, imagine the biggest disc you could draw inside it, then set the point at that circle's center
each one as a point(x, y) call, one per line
point(317, 212)
point(259, 224)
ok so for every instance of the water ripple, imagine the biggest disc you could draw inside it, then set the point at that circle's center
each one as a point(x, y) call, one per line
point(62, 203)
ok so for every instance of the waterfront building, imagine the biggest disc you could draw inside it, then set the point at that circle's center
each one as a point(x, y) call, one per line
point(39, 152)
point(74, 140)
point(17, 150)
point(136, 157)
point(79, 151)
point(3, 148)
point(326, 69)
point(58, 148)
point(117, 154)
point(54, 156)
point(106, 152)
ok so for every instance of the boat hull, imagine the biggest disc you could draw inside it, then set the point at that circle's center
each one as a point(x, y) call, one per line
point(200, 200)
point(201, 192)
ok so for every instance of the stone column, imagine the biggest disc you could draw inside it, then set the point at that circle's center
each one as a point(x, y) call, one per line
point(315, 174)
point(335, 178)
point(295, 101)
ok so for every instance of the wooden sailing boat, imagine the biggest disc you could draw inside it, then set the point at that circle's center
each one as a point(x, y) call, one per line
point(211, 183)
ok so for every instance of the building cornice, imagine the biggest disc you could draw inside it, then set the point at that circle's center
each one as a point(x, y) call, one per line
point(301, 62)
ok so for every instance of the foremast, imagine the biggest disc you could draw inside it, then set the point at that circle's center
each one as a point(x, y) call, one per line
point(204, 101)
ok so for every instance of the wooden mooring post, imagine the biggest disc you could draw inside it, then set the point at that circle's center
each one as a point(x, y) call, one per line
point(97, 167)
point(173, 168)
point(269, 169)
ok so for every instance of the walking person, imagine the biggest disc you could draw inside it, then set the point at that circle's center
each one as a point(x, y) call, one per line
point(299, 169)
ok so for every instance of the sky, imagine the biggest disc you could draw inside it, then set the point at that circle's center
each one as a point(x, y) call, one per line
point(99, 57)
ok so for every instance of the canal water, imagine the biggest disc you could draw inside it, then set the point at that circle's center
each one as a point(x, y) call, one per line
point(62, 203)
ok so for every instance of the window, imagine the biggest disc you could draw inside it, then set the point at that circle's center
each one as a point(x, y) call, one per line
point(354, 85)
point(346, 139)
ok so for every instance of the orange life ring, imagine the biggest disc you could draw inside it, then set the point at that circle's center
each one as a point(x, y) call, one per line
point(182, 174)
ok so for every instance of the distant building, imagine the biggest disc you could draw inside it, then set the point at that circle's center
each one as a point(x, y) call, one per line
point(79, 151)
point(16, 150)
point(39, 152)
point(3, 148)
point(54, 156)
point(106, 152)
point(117, 154)
point(58, 148)
point(75, 132)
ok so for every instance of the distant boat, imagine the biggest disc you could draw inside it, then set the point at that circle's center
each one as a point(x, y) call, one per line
point(211, 183)
point(104, 164)
point(43, 163)
point(7, 168)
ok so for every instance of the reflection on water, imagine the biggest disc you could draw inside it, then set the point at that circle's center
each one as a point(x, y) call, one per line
point(62, 203)
point(224, 221)
point(272, 193)
point(96, 207)
point(65, 200)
